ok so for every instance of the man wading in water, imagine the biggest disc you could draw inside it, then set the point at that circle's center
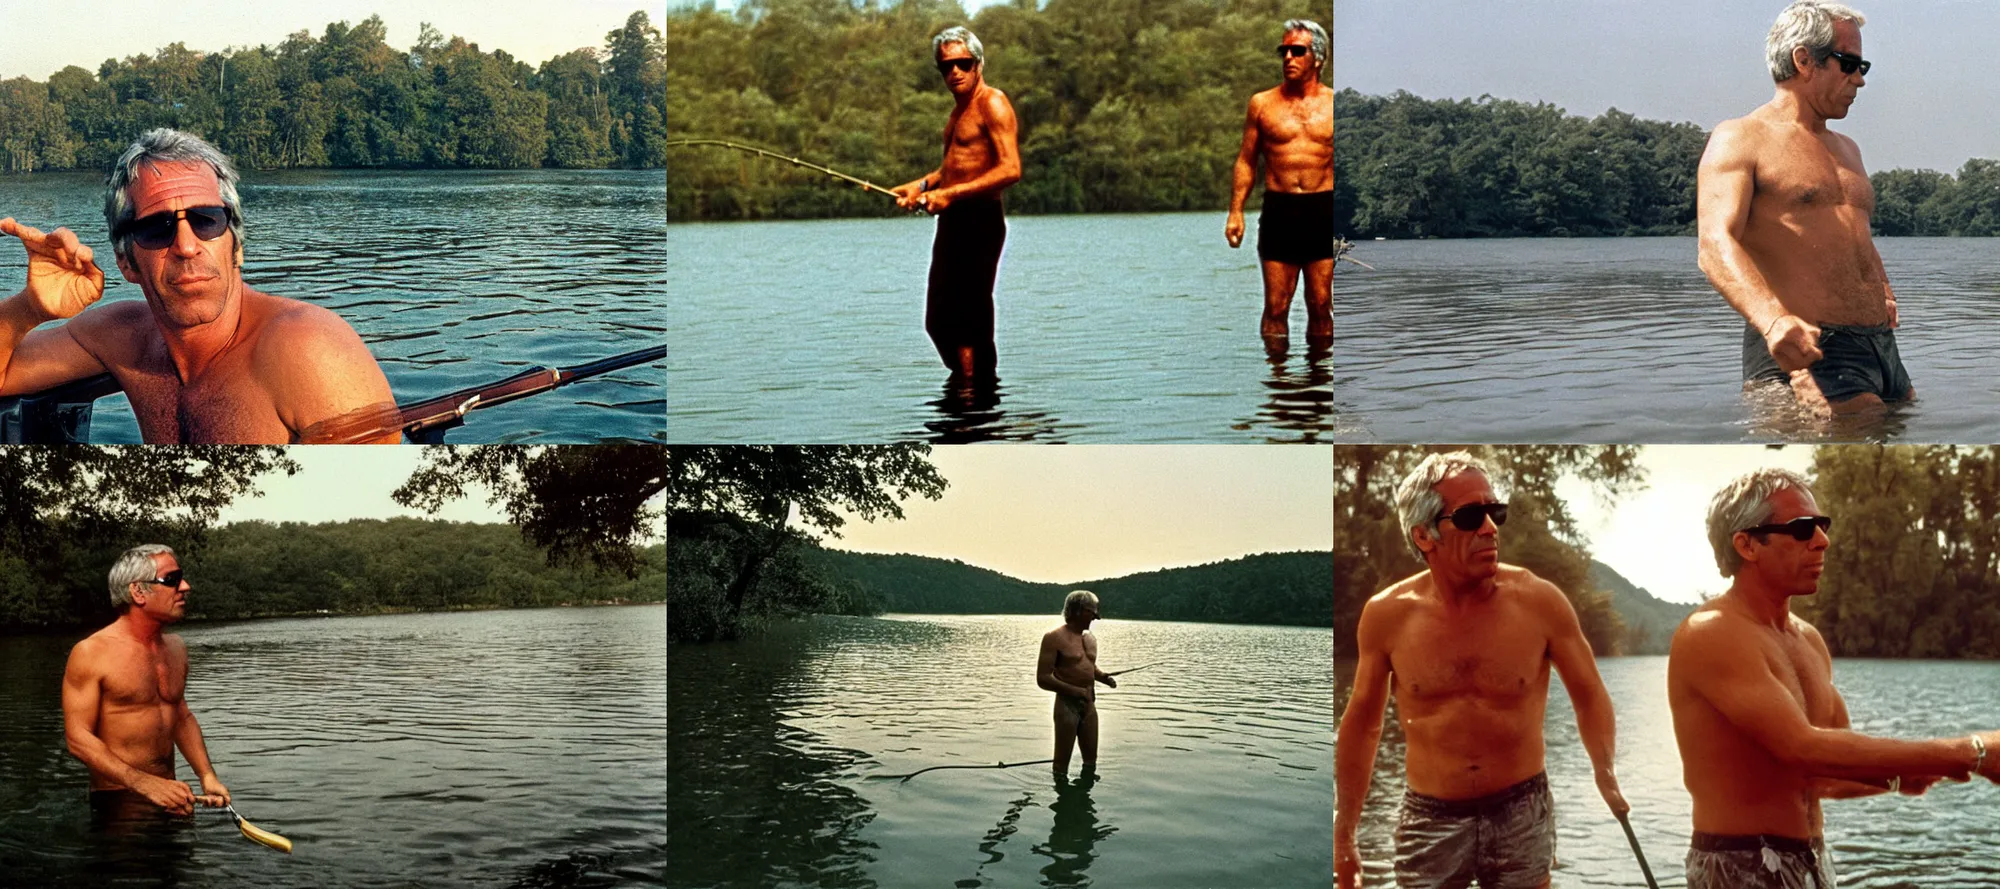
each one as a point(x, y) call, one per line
point(1291, 126)
point(1068, 667)
point(981, 160)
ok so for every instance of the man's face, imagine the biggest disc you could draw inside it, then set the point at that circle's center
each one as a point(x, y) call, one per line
point(953, 60)
point(161, 602)
point(1832, 90)
point(1085, 615)
point(189, 281)
point(1471, 554)
point(1299, 67)
point(1782, 561)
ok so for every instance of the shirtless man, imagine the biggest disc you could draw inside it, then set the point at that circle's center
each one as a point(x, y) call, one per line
point(1763, 733)
point(205, 359)
point(1068, 667)
point(1291, 126)
point(1784, 206)
point(981, 160)
point(1469, 643)
point(124, 696)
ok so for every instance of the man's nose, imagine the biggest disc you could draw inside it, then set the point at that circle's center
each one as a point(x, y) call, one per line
point(186, 245)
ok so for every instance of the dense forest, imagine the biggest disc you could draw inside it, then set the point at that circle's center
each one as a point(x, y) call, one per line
point(1409, 167)
point(348, 99)
point(1124, 105)
point(363, 566)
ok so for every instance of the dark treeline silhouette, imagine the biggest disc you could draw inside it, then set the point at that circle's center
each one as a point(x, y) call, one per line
point(1124, 105)
point(1409, 167)
point(362, 566)
point(348, 99)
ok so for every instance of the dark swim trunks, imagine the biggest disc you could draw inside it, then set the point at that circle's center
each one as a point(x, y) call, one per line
point(965, 260)
point(1757, 861)
point(1295, 229)
point(1504, 840)
point(1857, 361)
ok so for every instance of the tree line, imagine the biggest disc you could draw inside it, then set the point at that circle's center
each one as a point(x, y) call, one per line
point(1124, 105)
point(1409, 167)
point(348, 99)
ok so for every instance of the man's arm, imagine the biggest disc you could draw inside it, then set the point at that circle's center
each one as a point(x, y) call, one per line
point(1842, 788)
point(1045, 672)
point(1725, 183)
point(906, 193)
point(1596, 723)
point(317, 370)
point(187, 736)
point(63, 280)
point(1359, 735)
point(1242, 177)
point(1003, 130)
point(82, 689)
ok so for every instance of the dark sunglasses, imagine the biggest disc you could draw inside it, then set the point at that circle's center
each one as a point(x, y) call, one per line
point(1800, 528)
point(1473, 515)
point(156, 232)
point(945, 65)
point(1291, 50)
point(1850, 64)
point(171, 580)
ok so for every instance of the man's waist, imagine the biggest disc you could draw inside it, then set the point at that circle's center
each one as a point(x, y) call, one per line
point(1479, 805)
point(1704, 841)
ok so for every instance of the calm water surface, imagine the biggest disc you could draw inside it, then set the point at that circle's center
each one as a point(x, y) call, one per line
point(1127, 328)
point(1215, 767)
point(1623, 340)
point(453, 278)
point(1941, 839)
point(501, 749)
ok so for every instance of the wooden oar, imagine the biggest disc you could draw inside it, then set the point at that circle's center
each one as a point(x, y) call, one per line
point(723, 143)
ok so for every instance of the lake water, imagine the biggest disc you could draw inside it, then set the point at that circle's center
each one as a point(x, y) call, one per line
point(1620, 340)
point(500, 748)
point(1941, 839)
point(453, 278)
point(1118, 328)
point(1215, 768)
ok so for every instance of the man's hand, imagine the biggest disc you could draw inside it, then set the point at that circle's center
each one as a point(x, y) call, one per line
point(214, 794)
point(62, 278)
point(1607, 787)
point(1793, 341)
point(1233, 229)
point(173, 796)
point(1111, 680)
point(935, 200)
point(1990, 767)
point(908, 193)
point(1346, 864)
point(1895, 320)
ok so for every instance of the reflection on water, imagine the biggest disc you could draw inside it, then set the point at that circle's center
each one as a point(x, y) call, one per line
point(970, 412)
point(1621, 340)
point(782, 750)
point(1128, 328)
point(1883, 842)
point(1299, 401)
point(454, 279)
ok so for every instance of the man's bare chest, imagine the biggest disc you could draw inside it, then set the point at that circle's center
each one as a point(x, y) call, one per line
point(145, 681)
point(1454, 659)
point(224, 405)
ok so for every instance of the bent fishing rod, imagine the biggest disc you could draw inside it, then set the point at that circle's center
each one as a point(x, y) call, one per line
point(724, 143)
point(1009, 765)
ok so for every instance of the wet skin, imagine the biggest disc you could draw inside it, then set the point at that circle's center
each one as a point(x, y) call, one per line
point(1290, 128)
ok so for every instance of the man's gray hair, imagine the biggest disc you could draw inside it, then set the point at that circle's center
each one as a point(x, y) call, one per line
point(1746, 503)
point(1318, 35)
point(135, 566)
point(1807, 23)
point(958, 34)
point(1417, 500)
point(1078, 599)
point(165, 145)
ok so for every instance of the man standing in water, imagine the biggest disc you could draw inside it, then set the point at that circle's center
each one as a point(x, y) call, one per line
point(1469, 643)
point(981, 160)
point(1291, 127)
point(124, 697)
point(1068, 667)
point(1763, 733)
point(1784, 208)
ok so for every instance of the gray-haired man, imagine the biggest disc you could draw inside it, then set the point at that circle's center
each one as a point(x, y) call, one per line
point(1290, 126)
point(1067, 666)
point(1763, 733)
point(124, 697)
point(205, 359)
point(1469, 641)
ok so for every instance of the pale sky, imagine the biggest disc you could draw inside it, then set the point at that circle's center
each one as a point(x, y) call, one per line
point(1658, 538)
point(1062, 514)
point(1928, 103)
point(39, 39)
point(340, 482)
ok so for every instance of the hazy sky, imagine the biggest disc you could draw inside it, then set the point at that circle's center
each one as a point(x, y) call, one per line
point(41, 39)
point(1088, 512)
point(337, 483)
point(1658, 538)
point(1930, 102)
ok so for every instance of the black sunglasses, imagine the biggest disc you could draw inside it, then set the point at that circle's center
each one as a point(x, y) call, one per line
point(945, 65)
point(1850, 64)
point(157, 231)
point(1291, 50)
point(1800, 528)
point(171, 580)
point(1473, 515)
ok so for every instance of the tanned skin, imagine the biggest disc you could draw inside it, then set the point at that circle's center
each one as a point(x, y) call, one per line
point(1067, 666)
point(1290, 127)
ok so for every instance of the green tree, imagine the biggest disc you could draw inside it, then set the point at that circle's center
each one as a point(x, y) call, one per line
point(578, 503)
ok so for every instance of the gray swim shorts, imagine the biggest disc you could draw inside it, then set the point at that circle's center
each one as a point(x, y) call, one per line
point(1505, 840)
point(1757, 861)
point(1855, 361)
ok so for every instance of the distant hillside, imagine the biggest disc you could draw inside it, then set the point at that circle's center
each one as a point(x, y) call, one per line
point(1270, 588)
point(1649, 622)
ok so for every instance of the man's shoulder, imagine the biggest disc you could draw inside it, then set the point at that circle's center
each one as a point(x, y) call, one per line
point(1708, 628)
point(292, 330)
point(114, 330)
point(92, 647)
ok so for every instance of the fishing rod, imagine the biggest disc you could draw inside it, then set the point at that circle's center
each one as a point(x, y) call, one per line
point(997, 765)
point(1633, 838)
point(723, 143)
point(1136, 669)
point(425, 422)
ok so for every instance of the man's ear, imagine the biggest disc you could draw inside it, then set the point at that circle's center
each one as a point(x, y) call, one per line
point(1421, 535)
point(1741, 541)
point(125, 266)
point(1802, 59)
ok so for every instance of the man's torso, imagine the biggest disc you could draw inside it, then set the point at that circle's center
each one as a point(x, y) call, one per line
point(1076, 657)
point(228, 401)
point(968, 146)
point(139, 698)
point(1295, 135)
point(1808, 227)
